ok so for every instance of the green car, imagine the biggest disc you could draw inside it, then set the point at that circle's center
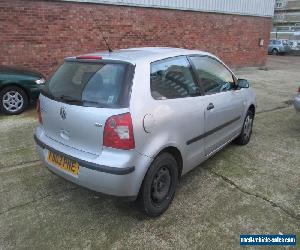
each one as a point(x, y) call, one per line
point(18, 87)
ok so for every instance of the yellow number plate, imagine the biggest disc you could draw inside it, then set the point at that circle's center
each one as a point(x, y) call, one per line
point(63, 163)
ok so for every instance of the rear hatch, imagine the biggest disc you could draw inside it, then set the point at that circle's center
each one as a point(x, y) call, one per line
point(80, 97)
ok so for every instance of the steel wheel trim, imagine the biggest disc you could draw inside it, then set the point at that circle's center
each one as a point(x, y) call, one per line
point(12, 101)
point(161, 185)
point(248, 127)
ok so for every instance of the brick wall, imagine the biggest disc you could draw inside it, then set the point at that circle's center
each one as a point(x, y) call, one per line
point(39, 34)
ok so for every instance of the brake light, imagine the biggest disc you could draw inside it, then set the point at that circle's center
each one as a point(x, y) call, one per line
point(89, 57)
point(38, 110)
point(118, 132)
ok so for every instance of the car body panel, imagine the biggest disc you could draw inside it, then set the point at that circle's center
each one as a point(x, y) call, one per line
point(84, 134)
point(126, 185)
point(157, 125)
point(228, 107)
point(168, 130)
point(145, 55)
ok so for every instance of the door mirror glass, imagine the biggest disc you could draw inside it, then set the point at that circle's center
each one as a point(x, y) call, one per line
point(243, 83)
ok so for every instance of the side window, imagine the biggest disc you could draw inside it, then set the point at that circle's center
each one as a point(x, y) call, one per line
point(172, 78)
point(213, 76)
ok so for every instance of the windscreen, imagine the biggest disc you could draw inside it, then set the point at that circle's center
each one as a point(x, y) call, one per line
point(89, 84)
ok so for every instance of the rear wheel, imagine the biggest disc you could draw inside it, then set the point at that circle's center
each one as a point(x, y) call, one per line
point(13, 100)
point(159, 185)
point(275, 52)
point(246, 133)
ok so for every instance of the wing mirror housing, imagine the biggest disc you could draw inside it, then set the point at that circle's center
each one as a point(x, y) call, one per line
point(243, 84)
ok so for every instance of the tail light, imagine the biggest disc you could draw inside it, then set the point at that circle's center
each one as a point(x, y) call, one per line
point(118, 132)
point(299, 90)
point(38, 110)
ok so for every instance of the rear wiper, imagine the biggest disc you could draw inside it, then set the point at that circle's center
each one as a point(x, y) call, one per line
point(70, 99)
point(97, 104)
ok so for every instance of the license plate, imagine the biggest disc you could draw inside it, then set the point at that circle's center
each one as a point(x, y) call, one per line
point(63, 163)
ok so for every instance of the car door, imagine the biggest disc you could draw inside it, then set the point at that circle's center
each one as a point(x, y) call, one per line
point(178, 106)
point(224, 104)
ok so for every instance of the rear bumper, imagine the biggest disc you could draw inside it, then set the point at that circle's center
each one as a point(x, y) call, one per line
point(86, 164)
point(297, 103)
point(121, 181)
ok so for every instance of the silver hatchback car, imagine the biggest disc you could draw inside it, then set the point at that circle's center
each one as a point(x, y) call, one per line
point(277, 47)
point(130, 123)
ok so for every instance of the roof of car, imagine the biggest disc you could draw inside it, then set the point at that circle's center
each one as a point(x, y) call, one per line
point(146, 54)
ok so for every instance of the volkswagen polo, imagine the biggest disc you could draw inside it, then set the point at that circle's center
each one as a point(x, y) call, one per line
point(130, 123)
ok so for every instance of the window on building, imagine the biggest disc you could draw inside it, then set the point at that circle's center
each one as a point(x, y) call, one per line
point(280, 3)
point(283, 28)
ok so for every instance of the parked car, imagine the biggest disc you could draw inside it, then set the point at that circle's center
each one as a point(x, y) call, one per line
point(297, 101)
point(277, 47)
point(130, 123)
point(18, 87)
point(294, 44)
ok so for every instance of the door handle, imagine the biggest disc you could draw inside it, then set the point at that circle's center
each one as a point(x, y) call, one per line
point(210, 106)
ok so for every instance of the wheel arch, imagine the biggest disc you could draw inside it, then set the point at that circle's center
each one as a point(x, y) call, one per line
point(175, 152)
point(252, 109)
point(276, 50)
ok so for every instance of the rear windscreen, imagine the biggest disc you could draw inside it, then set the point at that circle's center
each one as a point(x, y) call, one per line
point(89, 84)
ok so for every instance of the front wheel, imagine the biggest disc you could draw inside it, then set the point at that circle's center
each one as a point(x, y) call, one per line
point(13, 100)
point(275, 52)
point(159, 185)
point(246, 133)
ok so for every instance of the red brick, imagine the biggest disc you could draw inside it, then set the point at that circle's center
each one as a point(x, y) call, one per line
point(39, 34)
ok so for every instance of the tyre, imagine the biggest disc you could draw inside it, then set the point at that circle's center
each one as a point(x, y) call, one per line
point(246, 133)
point(159, 185)
point(275, 52)
point(13, 100)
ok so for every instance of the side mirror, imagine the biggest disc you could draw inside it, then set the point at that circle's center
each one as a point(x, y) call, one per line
point(242, 84)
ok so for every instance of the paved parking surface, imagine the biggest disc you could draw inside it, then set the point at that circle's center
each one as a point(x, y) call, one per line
point(251, 189)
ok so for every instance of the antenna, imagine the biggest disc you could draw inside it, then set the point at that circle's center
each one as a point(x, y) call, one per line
point(99, 28)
